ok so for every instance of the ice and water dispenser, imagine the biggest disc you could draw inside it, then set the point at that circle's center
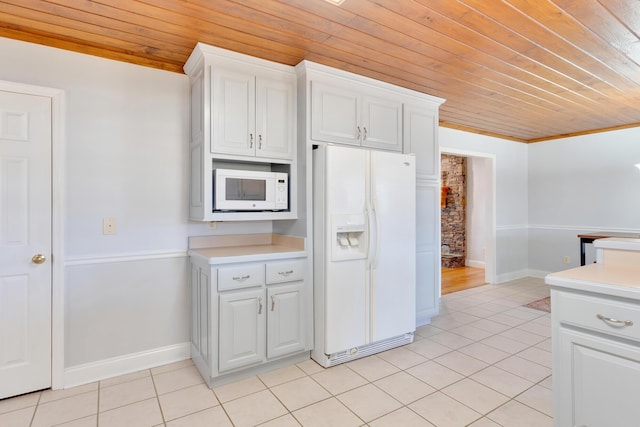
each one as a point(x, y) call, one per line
point(349, 236)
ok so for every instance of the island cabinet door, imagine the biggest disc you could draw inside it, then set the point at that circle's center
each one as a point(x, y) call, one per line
point(598, 381)
point(242, 329)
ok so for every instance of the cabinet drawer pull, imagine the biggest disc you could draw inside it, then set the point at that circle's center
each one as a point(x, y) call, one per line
point(241, 278)
point(358, 127)
point(259, 305)
point(616, 321)
point(364, 138)
point(273, 303)
point(260, 141)
point(285, 273)
point(250, 140)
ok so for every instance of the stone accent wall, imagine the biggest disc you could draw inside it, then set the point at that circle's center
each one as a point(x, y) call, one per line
point(453, 227)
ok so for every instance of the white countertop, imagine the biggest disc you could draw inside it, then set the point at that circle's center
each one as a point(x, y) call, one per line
point(625, 244)
point(226, 249)
point(251, 253)
point(616, 280)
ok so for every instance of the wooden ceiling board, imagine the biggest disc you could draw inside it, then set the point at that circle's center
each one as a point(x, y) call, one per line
point(524, 70)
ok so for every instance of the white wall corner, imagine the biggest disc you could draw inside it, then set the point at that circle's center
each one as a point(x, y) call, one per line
point(115, 366)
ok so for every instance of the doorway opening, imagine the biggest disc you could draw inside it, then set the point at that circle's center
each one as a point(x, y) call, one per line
point(467, 220)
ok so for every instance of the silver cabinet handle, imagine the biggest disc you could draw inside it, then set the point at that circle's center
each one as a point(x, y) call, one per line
point(365, 134)
point(273, 303)
point(241, 278)
point(616, 321)
point(259, 305)
point(358, 127)
point(250, 140)
point(285, 273)
point(260, 142)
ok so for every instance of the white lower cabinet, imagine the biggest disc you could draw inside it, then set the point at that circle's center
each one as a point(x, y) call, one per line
point(596, 360)
point(242, 329)
point(285, 319)
point(249, 316)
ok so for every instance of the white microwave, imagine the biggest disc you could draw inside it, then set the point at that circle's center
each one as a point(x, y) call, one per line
point(244, 190)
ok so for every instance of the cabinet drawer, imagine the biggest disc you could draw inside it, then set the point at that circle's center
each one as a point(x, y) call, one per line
point(599, 314)
point(240, 276)
point(286, 271)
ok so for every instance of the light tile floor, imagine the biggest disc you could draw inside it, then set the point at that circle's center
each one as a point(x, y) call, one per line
point(484, 361)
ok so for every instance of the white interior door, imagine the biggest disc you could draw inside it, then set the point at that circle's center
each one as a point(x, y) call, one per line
point(25, 232)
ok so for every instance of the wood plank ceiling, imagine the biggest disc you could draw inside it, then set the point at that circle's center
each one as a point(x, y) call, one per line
point(526, 70)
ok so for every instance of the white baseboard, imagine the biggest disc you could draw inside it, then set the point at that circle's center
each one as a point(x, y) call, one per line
point(474, 263)
point(115, 366)
point(540, 274)
point(512, 275)
point(520, 274)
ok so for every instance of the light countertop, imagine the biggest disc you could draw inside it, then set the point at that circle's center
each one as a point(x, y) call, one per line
point(616, 280)
point(618, 243)
point(245, 248)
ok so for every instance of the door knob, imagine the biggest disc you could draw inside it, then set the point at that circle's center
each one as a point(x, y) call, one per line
point(38, 259)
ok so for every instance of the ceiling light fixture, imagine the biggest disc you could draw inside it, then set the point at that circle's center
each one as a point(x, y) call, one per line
point(637, 165)
point(336, 2)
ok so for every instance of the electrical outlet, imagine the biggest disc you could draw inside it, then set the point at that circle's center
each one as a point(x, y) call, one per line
point(109, 226)
point(565, 259)
point(212, 225)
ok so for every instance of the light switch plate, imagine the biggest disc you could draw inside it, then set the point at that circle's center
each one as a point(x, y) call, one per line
point(109, 226)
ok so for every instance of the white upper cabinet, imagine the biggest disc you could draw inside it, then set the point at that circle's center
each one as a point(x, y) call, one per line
point(252, 115)
point(243, 116)
point(420, 133)
point(344, 108)
point(347, 115)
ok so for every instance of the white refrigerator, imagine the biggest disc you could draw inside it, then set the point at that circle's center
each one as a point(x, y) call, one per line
point(364, 252)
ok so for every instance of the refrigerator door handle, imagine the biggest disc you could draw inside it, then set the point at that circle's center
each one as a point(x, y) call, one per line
point(373, 237)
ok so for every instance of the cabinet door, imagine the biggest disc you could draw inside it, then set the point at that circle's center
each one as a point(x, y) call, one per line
point(233, 112)
point(335, 114)
point(420, 138)
point(275, 118)
point(286, 321)
point(427, 250)
point(381, 123)
point(242, 329)
point(597, 381)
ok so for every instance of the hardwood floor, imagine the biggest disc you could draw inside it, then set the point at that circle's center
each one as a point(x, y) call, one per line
point(458, 279)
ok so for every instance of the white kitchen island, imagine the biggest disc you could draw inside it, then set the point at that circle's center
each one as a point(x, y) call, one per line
point(595, 313)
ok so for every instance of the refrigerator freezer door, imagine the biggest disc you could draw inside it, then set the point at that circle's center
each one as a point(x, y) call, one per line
point(346, 303)
point(393, 290)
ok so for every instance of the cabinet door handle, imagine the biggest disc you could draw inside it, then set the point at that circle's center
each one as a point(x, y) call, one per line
point(358, 127)
point(273, 303)
point(259, 305)
point(250, 140)
point(365, 134)
point(241, 278)
point(260, 142)
point(616, 321)
point(285, 273)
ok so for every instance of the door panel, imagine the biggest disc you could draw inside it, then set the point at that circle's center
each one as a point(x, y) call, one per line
point(285, 322)
point(346, 298)
point(242, 329)
point(274, 124)
point(25, 230)
point(393, 264)
point(334, 114)
point(233, 113)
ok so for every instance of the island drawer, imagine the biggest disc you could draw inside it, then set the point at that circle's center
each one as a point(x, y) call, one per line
point(601, 314)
